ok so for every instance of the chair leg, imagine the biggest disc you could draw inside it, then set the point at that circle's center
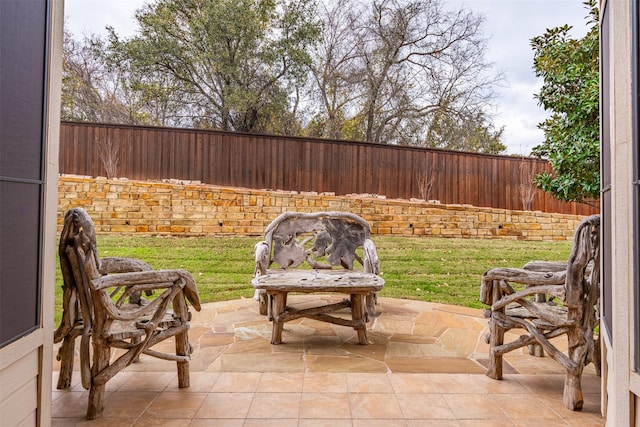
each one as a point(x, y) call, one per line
point(495, 359)
point(101, 356)
point(496, 339)
point(66, 358)
point(572, 397)
point(597, 356)
point(183, 347)
point(536, 350)
point(577, 352)
point(135, 341)
point(96, 401)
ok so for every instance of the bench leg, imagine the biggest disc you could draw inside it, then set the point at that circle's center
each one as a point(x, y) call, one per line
point(371, 300)
point(279, 303)
point(358, 314)
point(263, 302)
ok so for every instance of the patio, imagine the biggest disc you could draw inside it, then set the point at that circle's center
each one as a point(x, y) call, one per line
point(425, 366)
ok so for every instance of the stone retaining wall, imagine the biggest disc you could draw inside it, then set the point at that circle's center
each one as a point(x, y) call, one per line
point(193, 209)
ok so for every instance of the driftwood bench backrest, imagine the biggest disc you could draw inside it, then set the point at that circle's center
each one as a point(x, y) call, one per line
point(322, 240)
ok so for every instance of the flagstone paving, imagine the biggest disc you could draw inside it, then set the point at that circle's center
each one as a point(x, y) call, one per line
point(425, 366)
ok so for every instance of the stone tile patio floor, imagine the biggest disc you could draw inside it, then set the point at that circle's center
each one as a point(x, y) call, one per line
point(425, 367)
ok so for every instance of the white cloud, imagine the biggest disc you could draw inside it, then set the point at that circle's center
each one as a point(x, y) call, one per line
point(92, 16)
point(510, 25)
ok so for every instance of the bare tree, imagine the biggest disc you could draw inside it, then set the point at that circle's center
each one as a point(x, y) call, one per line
point(91, 90)
point(109, 153)
point(335, 78)
point(417, 58)
point(527, 187)
point(98, 85)
point(426, 179)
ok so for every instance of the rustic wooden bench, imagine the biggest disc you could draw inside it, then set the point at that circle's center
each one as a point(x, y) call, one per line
point(317, 242)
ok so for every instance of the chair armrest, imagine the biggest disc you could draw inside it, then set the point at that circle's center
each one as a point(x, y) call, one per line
point(517, 275)
point(546, 266)
point(526, 277)
point(112, 265)
point(151, 280)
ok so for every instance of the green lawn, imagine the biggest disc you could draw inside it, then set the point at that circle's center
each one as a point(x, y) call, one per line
point(428, 269)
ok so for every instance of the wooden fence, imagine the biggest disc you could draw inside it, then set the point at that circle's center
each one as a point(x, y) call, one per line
point(305, 164)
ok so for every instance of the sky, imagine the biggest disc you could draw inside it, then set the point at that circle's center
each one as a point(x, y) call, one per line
point(509, 27)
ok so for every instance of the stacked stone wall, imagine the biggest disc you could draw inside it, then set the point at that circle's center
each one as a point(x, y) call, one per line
point(192, 209)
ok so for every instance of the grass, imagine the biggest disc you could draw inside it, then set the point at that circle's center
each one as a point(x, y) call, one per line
point(428, 269)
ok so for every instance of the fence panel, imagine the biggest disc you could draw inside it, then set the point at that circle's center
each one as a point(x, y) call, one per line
point(305, 164)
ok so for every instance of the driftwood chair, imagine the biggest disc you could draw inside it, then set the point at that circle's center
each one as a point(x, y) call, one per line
point(317, 242)
point(576, 289)
point(106, 309)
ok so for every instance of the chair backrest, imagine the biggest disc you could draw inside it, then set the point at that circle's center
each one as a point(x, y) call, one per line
point(78, 232)
point(583, 268)
point(79, 264)
point(323, 239)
